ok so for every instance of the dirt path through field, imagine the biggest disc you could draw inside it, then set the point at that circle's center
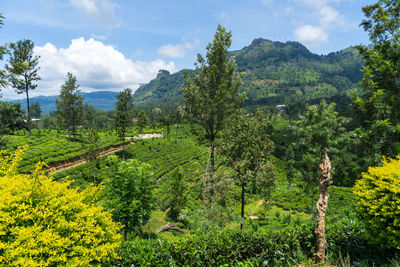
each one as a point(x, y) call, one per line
point(62, 166)
point(74, 163)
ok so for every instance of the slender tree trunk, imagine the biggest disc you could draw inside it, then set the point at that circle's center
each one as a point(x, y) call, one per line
point(29, 110)
point(312, 207)
point(269, 209)
point(94, 172)
point(322, 205)
point(73, 124)
point(265, 208)
point(242, 209)
point(212, 175)
point(123, 147)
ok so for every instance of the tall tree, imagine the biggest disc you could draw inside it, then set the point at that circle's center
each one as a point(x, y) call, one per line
point(92, 148)
point(89, 114)
point(177, 194)
point(320, 130)
point(123, 115)
point(69, 105)
point(23, 70)
point(245, 146)
point(266, 181)
point(212, 94)
point(378, 101)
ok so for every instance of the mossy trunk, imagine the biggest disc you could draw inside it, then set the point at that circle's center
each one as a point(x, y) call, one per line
point(322, 205)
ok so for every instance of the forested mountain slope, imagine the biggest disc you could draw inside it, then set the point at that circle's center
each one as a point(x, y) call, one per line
point(275, 73)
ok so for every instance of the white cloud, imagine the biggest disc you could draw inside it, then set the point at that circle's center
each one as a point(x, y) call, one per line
point(327, 17)
point(96, 66)
point(101, 10)
point(311, 35)
point(177, 51)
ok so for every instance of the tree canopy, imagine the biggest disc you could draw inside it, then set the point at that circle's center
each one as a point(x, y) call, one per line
point(378, 101)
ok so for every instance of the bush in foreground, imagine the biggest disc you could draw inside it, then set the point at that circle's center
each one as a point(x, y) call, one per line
point(379, 203)
point(44, 223)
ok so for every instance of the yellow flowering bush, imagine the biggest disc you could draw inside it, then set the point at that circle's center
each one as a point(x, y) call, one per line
point(44, 222)
point(379, 203)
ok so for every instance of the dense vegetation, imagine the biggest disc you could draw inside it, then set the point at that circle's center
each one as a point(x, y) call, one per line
point(221, 185)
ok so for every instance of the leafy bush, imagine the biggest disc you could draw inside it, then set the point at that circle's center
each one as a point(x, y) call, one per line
point(379, 203)
point(44, 223)
point(263, 248)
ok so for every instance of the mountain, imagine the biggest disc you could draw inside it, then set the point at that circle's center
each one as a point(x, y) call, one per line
point(163, 89)
point(275, 73)
point(104, 100)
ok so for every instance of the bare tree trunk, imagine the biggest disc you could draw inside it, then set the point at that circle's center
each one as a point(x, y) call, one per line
point(242, 209)
point(212, 176)
point(29, 111)
point(324, 182)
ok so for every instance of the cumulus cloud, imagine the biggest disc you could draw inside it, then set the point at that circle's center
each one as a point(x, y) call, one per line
point(176, 51)
point(97, 67)
point(328, 18)
point(101, 10)
point(311, 34)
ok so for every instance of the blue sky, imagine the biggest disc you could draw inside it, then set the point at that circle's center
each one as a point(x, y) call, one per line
point(114, 44)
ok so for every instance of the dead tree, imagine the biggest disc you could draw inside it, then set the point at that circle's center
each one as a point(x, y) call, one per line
point(324, 182)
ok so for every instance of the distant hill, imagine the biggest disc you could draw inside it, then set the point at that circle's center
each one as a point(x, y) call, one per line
point(275, 73)
point(104, 100)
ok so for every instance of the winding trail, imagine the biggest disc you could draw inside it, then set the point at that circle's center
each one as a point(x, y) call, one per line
point(58, 167)
point(62, 166)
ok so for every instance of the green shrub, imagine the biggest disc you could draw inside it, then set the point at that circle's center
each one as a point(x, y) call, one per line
point(379, 203)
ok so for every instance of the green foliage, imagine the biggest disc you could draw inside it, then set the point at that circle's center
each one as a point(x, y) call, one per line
point(212, 94)
point(266, 182)
point(69, 105)
point(23, 70)
point(378, 100)
point(129, 193)
point(58, 148)
point(11, 117)
point(123, 114)
point(263, 248)
point(245, 144)
point(44, 223)
point(36, 112)
point(319, 128)
point(141, 120)
point(92, 148)
point(275, 73)
point(177, 199)
point(378, 202)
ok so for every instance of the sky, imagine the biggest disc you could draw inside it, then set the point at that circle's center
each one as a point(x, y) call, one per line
point(116, 44)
